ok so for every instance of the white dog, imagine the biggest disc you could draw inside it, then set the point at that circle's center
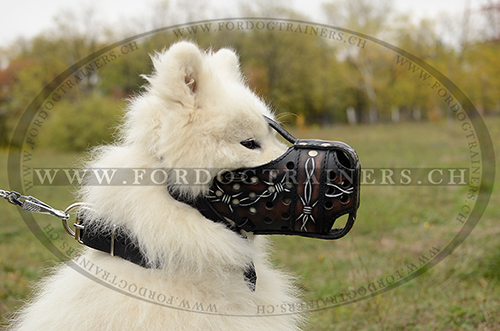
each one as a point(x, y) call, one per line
point(196, 112)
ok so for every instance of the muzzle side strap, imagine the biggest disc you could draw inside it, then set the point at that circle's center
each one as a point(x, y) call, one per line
point(285, 134)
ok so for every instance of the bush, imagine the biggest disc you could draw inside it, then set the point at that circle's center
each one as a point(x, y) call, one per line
point(79, 124)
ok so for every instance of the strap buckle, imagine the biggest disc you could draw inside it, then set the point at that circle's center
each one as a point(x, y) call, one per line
point(112, 245)
point(78, 223)
point(78, 229)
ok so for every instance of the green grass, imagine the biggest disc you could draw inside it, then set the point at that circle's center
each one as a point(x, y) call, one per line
point(395, 226)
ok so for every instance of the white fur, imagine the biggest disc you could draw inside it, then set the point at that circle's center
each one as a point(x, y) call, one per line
point(196, 111)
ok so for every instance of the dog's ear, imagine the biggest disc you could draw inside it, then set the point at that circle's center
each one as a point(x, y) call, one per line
point(227, 64)
point(178, 73)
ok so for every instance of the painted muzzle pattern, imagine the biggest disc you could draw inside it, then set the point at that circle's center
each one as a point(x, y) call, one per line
point(303, 192)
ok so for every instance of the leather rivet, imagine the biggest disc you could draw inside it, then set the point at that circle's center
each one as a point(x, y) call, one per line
point(218, 193)
point(236, 187)
point(312, 153)
point(252, 210)
point(235, 202)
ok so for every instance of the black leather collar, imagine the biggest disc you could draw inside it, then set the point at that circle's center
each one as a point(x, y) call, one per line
point(120, 243)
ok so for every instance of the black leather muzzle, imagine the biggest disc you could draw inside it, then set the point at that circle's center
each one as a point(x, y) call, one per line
point(303, 192)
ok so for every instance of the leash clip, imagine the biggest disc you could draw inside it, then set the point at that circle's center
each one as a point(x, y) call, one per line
point(32, 204)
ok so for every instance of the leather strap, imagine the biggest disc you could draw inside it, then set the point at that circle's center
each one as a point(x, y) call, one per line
point(120, 243)
point(250, 277)
point(117, 243)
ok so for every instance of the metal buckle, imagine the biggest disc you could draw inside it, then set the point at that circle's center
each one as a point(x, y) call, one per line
point(78, 229)
point(112, 246)
point(78, 223)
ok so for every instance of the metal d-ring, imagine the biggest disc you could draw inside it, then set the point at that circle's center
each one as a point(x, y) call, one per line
point(77, 224)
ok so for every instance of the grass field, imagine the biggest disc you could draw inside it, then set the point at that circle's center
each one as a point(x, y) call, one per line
point(396, 225)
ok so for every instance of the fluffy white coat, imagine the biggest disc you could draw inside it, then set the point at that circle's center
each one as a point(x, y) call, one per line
point(195, 113)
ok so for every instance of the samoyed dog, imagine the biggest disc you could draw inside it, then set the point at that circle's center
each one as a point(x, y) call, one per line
point(197, 112)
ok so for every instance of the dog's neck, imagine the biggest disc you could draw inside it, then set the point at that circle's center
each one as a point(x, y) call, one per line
point(121, 244)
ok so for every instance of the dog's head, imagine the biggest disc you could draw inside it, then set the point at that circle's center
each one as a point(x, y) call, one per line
point(199, 113)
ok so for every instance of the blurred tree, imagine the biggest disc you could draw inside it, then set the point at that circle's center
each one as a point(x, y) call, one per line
point(80, 124)
point(408, 88)
point(8, 78)
point(370, 18)
point(43, 58)
point(32, 65)
point(121, 77)
point(296, 70)
point(480, 76)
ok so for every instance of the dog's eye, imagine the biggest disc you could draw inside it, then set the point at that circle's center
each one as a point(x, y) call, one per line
point(250, 144)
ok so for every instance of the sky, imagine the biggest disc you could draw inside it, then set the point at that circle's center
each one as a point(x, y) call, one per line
point(27, 18)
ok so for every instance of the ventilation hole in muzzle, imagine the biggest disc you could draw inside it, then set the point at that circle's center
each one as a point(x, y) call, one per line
point(345, 184)
point(287, 200)
point(331, 175)
point(285, 216)
point(269, 205)
point(344, 198)
point(290, 165)
point(268, 220)
point(341, 221)
point(344, 159)
point(330, 190)
point(328, 205)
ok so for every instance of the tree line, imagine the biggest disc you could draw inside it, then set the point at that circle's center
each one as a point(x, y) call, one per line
point(311, 74)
